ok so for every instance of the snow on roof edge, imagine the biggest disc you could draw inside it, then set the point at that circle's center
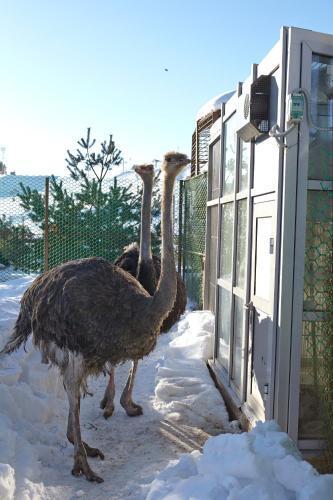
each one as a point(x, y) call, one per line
point(213, 104)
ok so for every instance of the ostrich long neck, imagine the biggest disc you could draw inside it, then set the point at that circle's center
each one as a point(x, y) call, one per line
point(145, 232)
point(166, 289)
point(146, 271)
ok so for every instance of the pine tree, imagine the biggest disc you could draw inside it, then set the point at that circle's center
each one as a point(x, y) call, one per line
point(3, 168)
point(93, 215)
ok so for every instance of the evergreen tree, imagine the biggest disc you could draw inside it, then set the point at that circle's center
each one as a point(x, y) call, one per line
point(3, 168)
point(92, 215)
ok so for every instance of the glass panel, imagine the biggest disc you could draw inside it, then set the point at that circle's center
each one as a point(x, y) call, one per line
point(224, 327)
point(315, 409)
point(315, 362)
point(318, 250)
point(216, 165)
point(229, 159)
point(212, 256)
point(213, 220)
point(241, 243)
point(263, 257)
point(321, 142)
point(238, 348)
point(226, 240)
point(244, 164)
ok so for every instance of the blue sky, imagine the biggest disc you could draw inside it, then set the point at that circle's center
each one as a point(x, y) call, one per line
point(67, 65)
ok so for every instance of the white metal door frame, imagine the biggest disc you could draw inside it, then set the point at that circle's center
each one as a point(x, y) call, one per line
point(308, 48)
point(292, 202)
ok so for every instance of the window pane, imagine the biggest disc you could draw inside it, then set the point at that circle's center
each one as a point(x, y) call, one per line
point(229, 160)
point(315, 365)
point(241, 243)
point(318, 251)
point(224, 327)
point(226, 240)
point(244, 164)
point(321, 142)
point(238, 348)
point(212, 256)
point(216, 166)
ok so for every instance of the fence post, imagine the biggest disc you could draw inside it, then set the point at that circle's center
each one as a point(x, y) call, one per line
point(46, 224)
point(180, 225)
point(184, 256)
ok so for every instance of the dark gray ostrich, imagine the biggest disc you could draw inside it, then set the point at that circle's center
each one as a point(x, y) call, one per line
point(146, 268)
point(89, 313)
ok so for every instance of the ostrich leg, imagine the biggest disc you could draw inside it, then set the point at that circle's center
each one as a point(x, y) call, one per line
point(107, 402)
point(91, 452)
point(72, 382)
point(131, 408)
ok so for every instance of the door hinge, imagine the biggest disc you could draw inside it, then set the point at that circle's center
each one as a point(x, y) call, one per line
point(248, 306)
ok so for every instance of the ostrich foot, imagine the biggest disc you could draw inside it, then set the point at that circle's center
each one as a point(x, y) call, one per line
point(81, 466)
point(107, 406)
point(131, 408)
point(93, 452)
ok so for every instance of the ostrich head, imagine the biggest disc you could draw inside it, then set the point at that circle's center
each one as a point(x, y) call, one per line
point(173, 163)
point(145, 170)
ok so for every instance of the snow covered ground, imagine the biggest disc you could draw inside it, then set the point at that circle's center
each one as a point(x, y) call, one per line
point(260, 465)
point(144, 454)
point(35, 457)
point(184, 389)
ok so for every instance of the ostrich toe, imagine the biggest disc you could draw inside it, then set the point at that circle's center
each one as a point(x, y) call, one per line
point(93, 452)
point(131, 408)
point(108, 411)
point(107, 406)
point(81, 466)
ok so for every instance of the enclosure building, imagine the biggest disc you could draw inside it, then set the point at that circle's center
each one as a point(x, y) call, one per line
point(268, 268)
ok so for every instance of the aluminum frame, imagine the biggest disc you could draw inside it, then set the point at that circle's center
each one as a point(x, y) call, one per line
point(293, 55)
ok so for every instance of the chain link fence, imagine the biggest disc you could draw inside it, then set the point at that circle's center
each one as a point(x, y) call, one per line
point(45, 221)
point(192, 235)
point(316, 397)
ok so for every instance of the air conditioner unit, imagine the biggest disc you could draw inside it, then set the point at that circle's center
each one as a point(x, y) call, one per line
point(253, 109)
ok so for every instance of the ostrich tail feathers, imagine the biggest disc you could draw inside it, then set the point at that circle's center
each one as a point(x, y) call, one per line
point(20, 335)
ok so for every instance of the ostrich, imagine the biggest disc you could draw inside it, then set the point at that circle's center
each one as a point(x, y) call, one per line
point(146, 268)
point(89, 313)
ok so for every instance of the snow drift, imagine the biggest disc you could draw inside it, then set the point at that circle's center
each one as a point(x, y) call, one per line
point(28, 393)
point(184, 388)
point(261, 465)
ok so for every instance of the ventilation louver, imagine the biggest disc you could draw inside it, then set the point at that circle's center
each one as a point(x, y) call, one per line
point(254, 109)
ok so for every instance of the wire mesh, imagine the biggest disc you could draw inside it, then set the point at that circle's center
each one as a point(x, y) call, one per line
point(193, 235)
point(21, 237)
point(316, 396)
point(82, 221)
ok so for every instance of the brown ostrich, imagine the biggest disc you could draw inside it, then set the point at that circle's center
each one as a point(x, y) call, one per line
point(146, 268)
point(89, 313)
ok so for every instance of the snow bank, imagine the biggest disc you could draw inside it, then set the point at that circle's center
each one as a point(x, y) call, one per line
point(7, 481)
point(261, 465)
point(28, 395)
point(213, 104)
point(184, 388)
